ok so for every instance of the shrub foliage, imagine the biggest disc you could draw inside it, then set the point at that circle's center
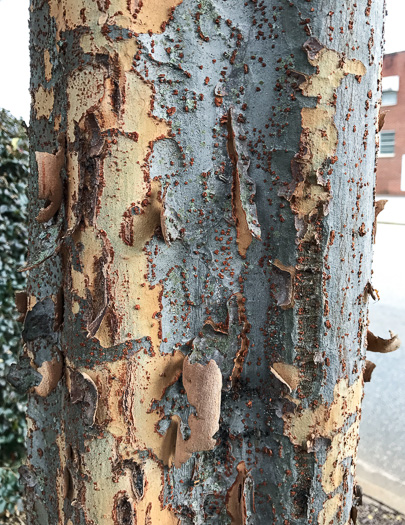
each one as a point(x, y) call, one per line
point(13, 246)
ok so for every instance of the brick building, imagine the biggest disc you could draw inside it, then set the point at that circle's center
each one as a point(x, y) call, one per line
point(391, 161)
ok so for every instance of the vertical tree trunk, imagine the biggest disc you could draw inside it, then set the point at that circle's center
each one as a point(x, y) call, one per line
point(202, 182)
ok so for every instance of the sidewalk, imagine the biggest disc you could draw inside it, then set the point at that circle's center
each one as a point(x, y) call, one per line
point(381, 455)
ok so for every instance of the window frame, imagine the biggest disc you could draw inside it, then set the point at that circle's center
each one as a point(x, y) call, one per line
point(390, 92)
point(386, 155)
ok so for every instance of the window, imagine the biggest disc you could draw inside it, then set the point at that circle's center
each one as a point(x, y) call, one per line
point(390, 88)
point(389, 98)
point(387, 144)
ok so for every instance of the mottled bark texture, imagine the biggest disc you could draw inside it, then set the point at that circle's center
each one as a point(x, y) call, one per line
point(201, 237)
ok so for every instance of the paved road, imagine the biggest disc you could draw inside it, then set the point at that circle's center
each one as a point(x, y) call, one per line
point(382, 431)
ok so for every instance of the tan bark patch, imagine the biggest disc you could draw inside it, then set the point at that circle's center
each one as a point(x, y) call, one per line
point(203, 385)
point(136, 303)
point(99, 504)
point(85, 90)
point(151, 16)
point(309, 193)
point(303, 427)
point(43, 100)
point(330, 509)
point(48, 66)
point(130, 416)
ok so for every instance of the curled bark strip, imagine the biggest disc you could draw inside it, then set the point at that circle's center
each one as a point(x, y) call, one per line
point(381, 119)
point(68, 485)
point(236, 497)
point(368, 370)
point(243, 188)
point(203, 387)
point(50, 186)
point(21, 303)
point(287, 374)
point(313, 48)
point(380, 345)
point(83, 390)
point(59, 309)
point(284, 291)
point(379, 206)
point(358, 496)
point(370, 290)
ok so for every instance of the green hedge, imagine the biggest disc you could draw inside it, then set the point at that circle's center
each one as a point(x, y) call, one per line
point(13, 247)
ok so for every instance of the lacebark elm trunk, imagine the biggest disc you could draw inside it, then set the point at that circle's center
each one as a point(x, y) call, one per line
point(202, 183)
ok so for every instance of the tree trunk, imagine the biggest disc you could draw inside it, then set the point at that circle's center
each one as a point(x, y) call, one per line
point(202, 224)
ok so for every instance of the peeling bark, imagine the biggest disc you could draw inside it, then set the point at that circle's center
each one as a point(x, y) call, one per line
point(50, 185)
point(380, 345)
point(236, 497)
point(196, 310)
point(379, 206)
point(21, 304)
point(368, 371)
point(203, 387)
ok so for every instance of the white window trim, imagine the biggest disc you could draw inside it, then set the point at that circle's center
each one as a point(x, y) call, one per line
point(385, 155)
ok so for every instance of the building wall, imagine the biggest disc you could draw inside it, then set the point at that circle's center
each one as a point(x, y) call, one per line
point(389, 168)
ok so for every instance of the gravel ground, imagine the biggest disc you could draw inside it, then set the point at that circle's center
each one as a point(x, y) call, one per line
point(373, 512)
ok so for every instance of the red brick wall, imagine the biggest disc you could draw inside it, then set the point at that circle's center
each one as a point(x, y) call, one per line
point(389, 168)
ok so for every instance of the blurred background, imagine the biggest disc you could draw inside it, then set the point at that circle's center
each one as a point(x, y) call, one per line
point(381, 459)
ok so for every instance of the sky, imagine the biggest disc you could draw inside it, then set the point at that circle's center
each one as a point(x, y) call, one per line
point(14, 57)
